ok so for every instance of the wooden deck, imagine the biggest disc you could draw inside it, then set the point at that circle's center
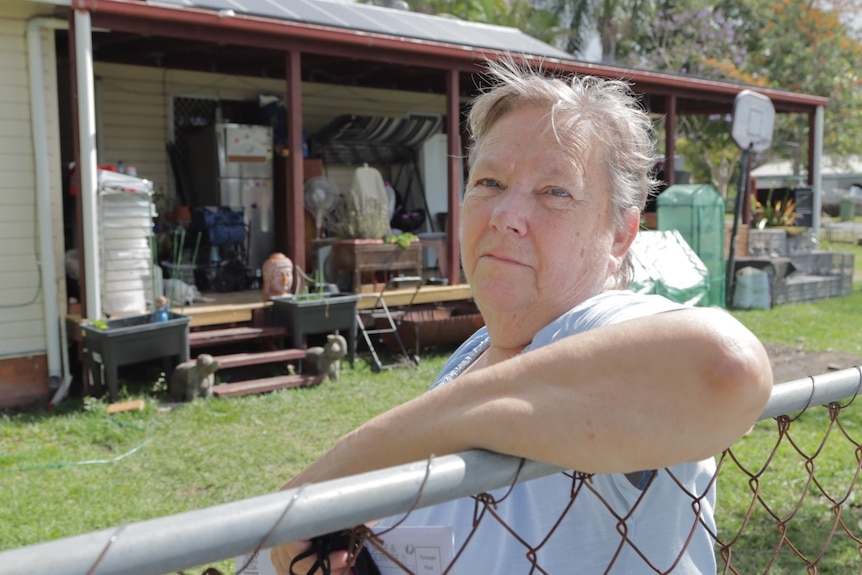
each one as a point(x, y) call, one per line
point(238, 307)
point(239, 317)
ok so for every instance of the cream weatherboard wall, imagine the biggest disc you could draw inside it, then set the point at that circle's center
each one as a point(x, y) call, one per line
point(134, 109)
point(23, 363)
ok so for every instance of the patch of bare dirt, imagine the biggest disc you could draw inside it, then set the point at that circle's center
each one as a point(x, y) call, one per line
point(791, 363)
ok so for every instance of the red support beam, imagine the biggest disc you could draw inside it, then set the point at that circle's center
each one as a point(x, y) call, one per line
point(670, 140)
point(295, 206)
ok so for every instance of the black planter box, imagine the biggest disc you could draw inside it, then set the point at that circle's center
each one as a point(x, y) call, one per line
point(326, 314)
point(132, 340)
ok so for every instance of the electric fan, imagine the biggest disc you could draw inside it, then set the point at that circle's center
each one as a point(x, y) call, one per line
point(321, 194)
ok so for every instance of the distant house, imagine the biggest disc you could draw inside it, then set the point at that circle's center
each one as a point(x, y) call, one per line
point(837, 177)
point(836, 174)
point(95, 83)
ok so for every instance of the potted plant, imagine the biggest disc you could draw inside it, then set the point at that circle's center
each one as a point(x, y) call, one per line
point(115, 342)
point(781, 213)
point(317, 307)
point(773, 229)
point(312, 288)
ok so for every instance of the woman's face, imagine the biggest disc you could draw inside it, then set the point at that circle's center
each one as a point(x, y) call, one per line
point(537, 236)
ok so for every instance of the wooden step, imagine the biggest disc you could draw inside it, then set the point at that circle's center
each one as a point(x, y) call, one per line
point(265, 385)
point(233, 334)
point(257, 358)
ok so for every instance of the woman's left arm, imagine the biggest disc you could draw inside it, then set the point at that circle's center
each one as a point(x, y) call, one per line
point(641, 394)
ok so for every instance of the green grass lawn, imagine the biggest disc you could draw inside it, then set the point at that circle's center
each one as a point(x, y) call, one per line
point(62, 472)
point(77, 469)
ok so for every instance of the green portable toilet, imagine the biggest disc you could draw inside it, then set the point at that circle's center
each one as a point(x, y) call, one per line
point(697, 212)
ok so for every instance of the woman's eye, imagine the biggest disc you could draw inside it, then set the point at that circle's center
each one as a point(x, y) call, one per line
point(560, 192)
point(488, 183)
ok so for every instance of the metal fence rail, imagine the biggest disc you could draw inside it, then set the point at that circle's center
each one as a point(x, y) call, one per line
point(176, 542)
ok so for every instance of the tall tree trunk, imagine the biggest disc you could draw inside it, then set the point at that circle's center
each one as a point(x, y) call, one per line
point(608, 31)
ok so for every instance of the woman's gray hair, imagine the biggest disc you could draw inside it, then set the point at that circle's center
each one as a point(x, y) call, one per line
point(600, 121)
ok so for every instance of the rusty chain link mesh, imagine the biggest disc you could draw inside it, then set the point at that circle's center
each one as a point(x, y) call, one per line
point(787, 500)
point(806, 519)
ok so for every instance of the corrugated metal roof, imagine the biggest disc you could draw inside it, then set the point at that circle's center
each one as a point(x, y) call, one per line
point(385, 21)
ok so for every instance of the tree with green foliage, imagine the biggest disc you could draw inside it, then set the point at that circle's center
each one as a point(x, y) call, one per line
point(784, 44)
point(610, 19)
point(700, 41)
point(565, 23)
point(797, 45)
point(806, 48)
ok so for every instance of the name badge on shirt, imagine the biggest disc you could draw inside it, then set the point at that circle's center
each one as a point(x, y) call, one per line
point(422, 550)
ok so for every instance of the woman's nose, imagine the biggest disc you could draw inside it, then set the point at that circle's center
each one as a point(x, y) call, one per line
point(512, 211)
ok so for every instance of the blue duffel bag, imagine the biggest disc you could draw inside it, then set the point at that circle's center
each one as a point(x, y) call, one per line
point(222, 225)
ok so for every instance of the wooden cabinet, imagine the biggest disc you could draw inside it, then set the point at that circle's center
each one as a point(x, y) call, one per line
point(353, 258)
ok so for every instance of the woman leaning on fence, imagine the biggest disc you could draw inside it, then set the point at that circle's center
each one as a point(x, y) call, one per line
point(572, 369)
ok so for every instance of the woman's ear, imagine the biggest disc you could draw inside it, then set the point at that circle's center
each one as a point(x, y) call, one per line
point(627, 226)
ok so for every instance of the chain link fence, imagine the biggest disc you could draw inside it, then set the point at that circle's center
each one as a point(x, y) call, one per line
point(787, 503)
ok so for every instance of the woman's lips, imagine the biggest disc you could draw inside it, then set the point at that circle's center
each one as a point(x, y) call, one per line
point(502, 258)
